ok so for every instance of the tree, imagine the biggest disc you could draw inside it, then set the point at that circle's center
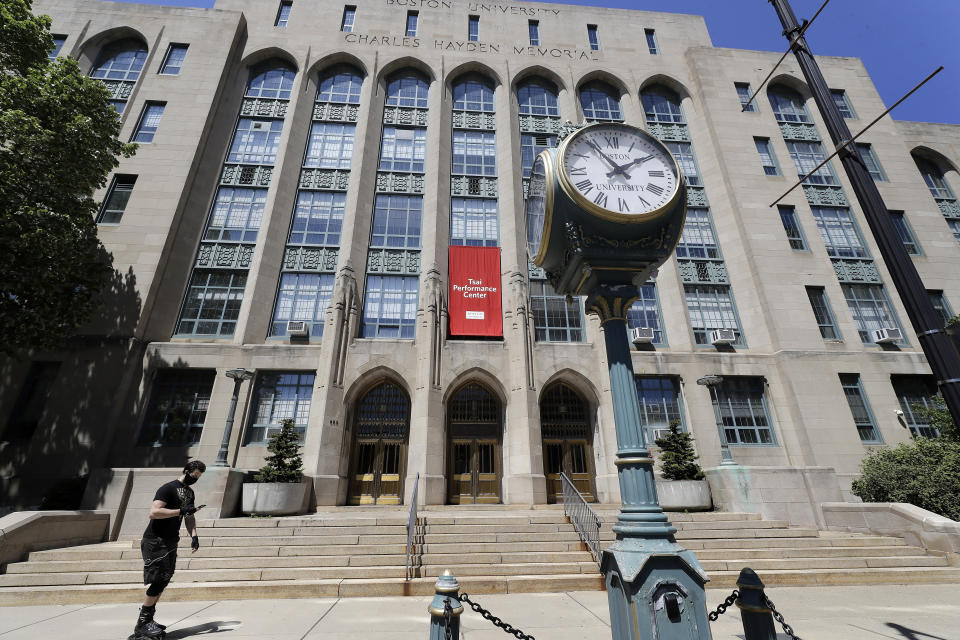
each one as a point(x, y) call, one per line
point(58, 143)
point(938, 416)
point(285, 463)
point(678, 459)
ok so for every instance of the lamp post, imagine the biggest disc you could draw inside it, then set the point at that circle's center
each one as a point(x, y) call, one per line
point(711, 383)
point(238, 376)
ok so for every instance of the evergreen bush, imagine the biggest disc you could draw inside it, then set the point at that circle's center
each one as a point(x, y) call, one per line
point(284, 464)
point(678, 461)
point(924, 472)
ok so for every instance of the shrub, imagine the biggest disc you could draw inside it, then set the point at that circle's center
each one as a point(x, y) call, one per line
point(924, 472)
point(285, 463)
point(938, 416)
point(677, 458)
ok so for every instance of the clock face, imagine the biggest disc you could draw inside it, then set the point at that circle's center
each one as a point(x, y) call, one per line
point(536, 207)
point(619, 169)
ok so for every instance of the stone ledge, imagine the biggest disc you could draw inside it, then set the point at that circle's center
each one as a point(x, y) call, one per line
point(25, 531)
point(915, 525)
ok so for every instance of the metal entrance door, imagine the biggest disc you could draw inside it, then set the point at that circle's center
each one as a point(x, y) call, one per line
point(474, 427)
point(565, 428)
point(380, 446)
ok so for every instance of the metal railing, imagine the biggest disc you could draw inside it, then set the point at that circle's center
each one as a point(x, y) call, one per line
point(584, 519)
point(412, 527)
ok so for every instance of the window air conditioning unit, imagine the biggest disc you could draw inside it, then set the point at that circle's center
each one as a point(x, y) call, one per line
point(660, 433)
point(723, 336)
point(641, 335)
point(887, 335)
point(297, 329)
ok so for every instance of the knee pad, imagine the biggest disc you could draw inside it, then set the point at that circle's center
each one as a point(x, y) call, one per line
point(156, 588)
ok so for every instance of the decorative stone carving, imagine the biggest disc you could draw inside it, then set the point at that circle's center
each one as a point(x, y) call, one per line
point(405, 116)
point(949, 207)
point(324, 179)
point(393, 262)
point(119, 89)
point(215, 255)
point(540, 124)
point(335, 112)
point(856, 271)
point(697, 197)
point(703, 272)
point(474, 120)
point(535, 272)
point(246, 175)
point(473, 186)
point(312, 259)
point(818, 194)
point(265, 107)
point(388, 182)
point(669, 132)
point(796, 131)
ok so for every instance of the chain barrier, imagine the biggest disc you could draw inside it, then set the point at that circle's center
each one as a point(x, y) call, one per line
point(722, 607)
point(787, 629)
point(497, 622)
point(447, 613)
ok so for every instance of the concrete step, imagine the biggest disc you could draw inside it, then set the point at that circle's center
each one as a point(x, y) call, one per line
point(779, 564)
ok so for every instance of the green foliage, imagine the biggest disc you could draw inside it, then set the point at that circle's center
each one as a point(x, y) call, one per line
point(678, 460)
point(285, 463)
point(954, 321)
point(924, 472)
point(938, 416)
point(58, 143)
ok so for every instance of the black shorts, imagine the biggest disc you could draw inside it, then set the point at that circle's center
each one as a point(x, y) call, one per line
point(159, 559)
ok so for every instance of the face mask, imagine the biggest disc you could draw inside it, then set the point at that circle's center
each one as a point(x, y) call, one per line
point(189, 479)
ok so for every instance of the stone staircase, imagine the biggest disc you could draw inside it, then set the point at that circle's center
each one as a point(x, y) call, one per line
point(356, 551)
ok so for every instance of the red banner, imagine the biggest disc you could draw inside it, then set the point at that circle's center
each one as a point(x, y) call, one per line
point(475, 292)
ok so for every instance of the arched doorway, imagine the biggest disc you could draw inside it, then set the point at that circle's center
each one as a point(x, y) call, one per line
point(379, 455)
point(474, 426)
point(567, 444)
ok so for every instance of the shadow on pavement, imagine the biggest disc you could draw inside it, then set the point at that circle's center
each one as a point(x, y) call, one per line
point(912, 634)
point(202, 629)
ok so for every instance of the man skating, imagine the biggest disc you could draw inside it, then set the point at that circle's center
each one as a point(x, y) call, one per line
point(172, 505)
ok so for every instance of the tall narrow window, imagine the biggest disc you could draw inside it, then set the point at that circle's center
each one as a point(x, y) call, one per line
point(651, 41)
point(118, 66)
point(823, 313)
point(413, 18)
point(645, 312)
point(473, 222)
point(660, 404)
point(302, 297)
point(57, 45)
point(213, 302)
point(743, 92)
point(788, 216)
point(871, 162)
point(473, 28)
point(349, 16)
point(767, 159)
point(743, 410)
point(954, 226)
point(862, 416)
point(899, 220)
point(843, 105)
point(710, 307)
point(178, 407)
point(555, 319)
point(840, 233)
point(806, 156)
point(173, 60)
point(697, 240)
point(330, 145)
point(283, 13)
point(914, 392)
point(474, 153)
point(870, 309)
point(280, 395)
point(683, 154)
point(933, 177)
point(149, 121)
point(600, 103)
point(593, 37)
point(117, 197)
point(531, 145)
point(940, 305)
point(473, 205)
point(533, 26)
point(787, 105)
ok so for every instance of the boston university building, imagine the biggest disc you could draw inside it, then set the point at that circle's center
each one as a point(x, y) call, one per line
point(331, 197)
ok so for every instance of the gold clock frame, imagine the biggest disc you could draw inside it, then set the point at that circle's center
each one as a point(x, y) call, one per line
point(550, 185)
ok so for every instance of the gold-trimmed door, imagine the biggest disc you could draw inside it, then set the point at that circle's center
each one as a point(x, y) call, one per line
point(474, 452)
point(378, 462)
point(567, 447)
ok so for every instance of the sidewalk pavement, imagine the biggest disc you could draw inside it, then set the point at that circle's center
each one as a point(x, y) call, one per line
point(898, 612)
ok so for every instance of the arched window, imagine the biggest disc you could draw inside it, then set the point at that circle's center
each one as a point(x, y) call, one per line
point(600, 102)
point(787, 105)
point(407, 90)
point(662, 105)
point(341, 85)
point(473, 94)
point(537, 98)
point(474, 404)
point(565, 429)
point(933, 176)
point(272, 80)
point(118, 66)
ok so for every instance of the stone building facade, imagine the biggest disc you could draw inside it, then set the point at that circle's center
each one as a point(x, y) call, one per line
point(313, 162)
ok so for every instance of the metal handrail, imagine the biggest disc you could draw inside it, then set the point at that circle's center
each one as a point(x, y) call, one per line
point(584, 519)
point(412, 526)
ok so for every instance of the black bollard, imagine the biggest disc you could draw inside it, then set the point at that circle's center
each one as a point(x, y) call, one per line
point(754, 612)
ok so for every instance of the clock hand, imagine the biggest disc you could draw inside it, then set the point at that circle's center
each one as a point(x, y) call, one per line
point(616, 168)
point(623, 168)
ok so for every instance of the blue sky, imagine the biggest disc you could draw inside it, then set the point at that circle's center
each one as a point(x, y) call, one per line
point(899, 42)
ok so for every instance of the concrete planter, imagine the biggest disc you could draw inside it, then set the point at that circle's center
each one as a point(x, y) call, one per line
point(275, 498)
point(684, 495)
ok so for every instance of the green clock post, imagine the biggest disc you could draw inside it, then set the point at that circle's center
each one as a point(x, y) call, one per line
point(604, 210)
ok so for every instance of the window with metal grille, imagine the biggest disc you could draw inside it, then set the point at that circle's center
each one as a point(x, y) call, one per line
point(473, 222)
point(390, 307)
point(788, 216)
point(711, 307)
point(767, 160)
point(843, 104)
point(407, 90)
point(384, 411)
point(403, 149)
point(120, 62)
point(940, 305)
point(914, 392)
point(118, 195)
point(645, 312)
point(787, 105)
point(555, 319)
point(860, 408)
point(662, 105)
point(660, 403)
point(178, 407)
point(744, 92)
point(283, 13)
point(806, 156)
point(279, 395)
point(212, 304)
point(593, 37)
point(870, 308)
point(474, 153)
point(340, 87)
point(473, 94)
point(533, 27)
point(530, 147)
point(318, 218)
point(349, 16)
point(397, 222)
point(537, 98)
point(600, 102)
point(472, 404)
point(871, 162)
point(330, 145)
point(743, 410)
point(173, 60)
point(564, 413)
point(683, 153)
point(304, 297)
point(236, 215)
point(840, 232)
point(473, 28)
point(697, 241)
point(413, 20)
point(651, 36)
point(823, 313)
point(274, 82)
point(899, 220)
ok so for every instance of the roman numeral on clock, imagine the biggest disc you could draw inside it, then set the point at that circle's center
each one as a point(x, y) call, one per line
point(601, 199)
point(584, 186)
point(655, 174)
point(578, 171)
point(645, 203)
point(622, 205)
point(613, 142)
point(654, 189)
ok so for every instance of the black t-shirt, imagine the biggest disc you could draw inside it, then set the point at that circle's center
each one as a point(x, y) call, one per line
point(176, 495)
